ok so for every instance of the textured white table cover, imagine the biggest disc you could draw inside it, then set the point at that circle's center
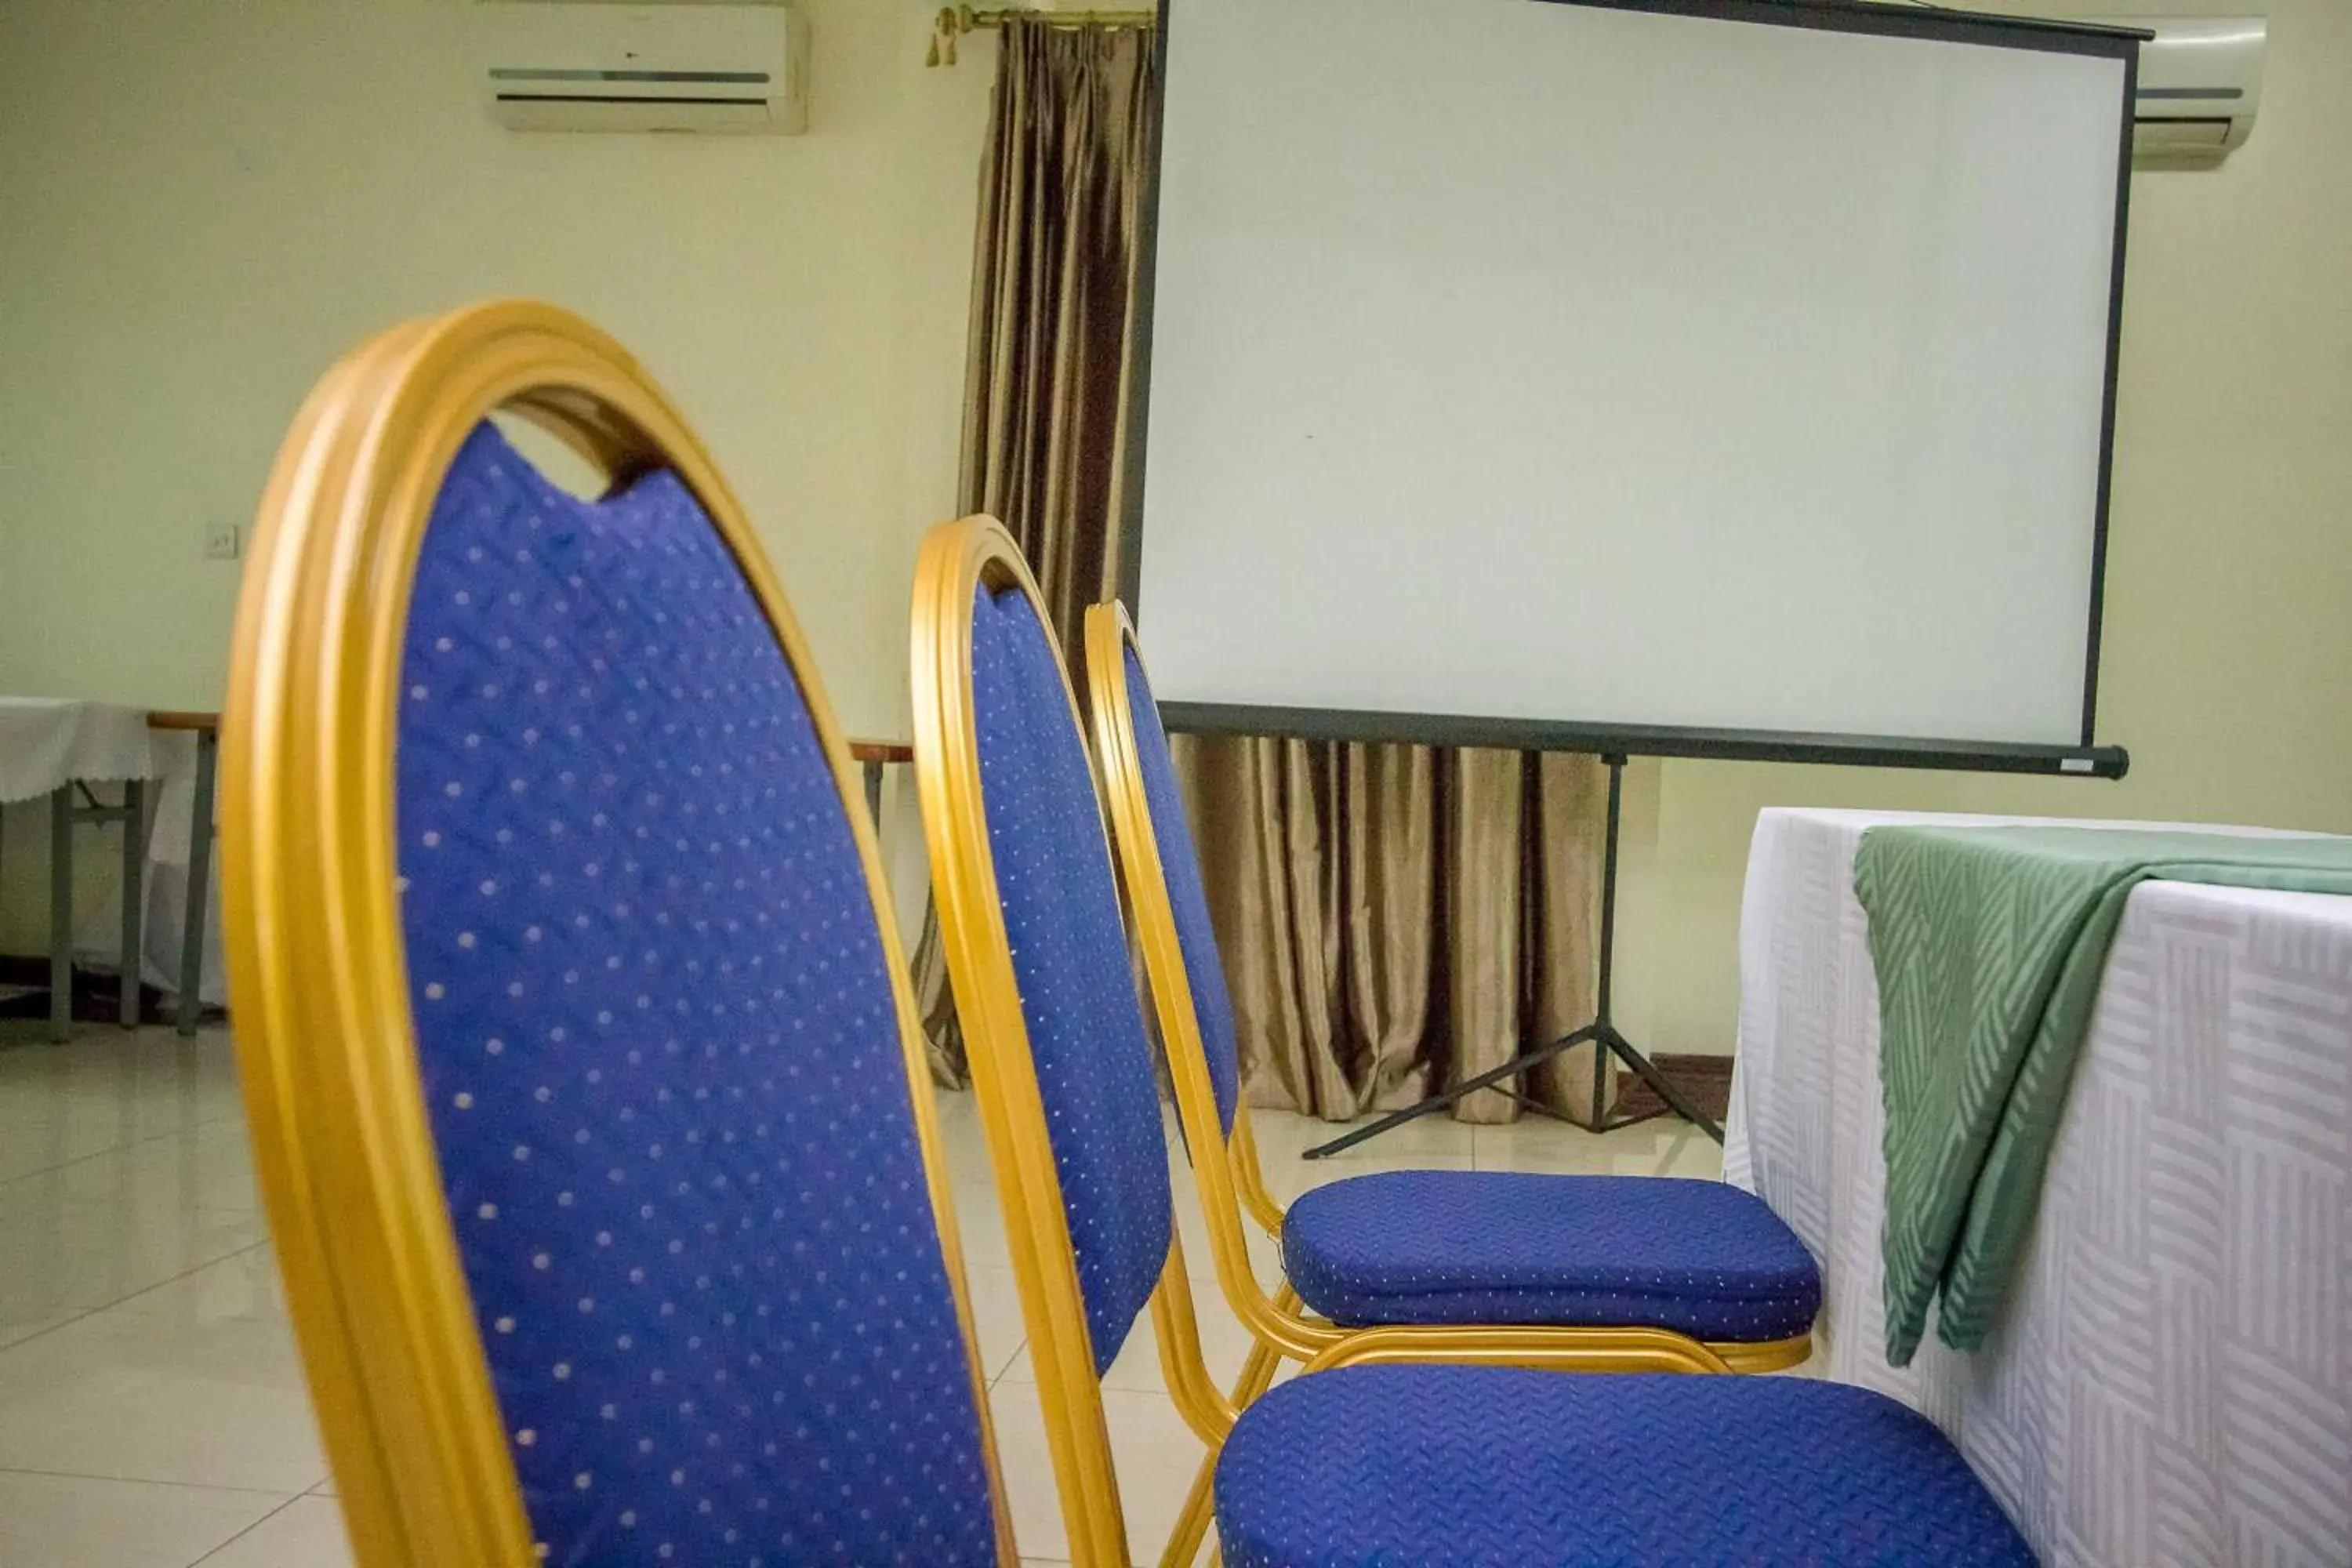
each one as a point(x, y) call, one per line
point(2172, 1381)
point(48, 743)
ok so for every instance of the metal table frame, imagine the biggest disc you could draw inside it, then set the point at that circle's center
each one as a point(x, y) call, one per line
point(874, 756)
point(66, 812)
point(206, 727)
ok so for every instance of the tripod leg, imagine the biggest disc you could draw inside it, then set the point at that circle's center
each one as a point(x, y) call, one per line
point(1468, 1086)
point(1666, 1089)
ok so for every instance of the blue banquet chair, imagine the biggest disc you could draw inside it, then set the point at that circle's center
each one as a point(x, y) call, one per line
point(583, 1073)
point(1431, 1247)
point(1405, 1447)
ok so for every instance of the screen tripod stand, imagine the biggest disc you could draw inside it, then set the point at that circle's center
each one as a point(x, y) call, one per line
point(1610, 1046)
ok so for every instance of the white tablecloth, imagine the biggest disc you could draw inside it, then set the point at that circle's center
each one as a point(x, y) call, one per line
point(2172, 1382)
point(48, 743)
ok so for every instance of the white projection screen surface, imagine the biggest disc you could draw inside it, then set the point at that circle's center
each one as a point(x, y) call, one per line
point(1545, 364)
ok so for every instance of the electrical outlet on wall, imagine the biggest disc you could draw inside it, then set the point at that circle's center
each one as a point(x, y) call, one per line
point(223, 540)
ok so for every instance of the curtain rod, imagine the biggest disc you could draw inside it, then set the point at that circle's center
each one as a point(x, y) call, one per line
point(953, 21)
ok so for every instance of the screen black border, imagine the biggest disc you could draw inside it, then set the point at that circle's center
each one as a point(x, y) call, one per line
point(1646, 739)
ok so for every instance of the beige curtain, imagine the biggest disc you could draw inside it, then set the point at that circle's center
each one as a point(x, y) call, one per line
point(1052, 318)
point(1393, 918)
point(1052, 323)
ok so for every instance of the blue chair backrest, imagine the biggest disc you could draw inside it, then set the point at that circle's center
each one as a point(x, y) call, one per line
point(1070, 962)
point(1179, 863)
point(662, 1054)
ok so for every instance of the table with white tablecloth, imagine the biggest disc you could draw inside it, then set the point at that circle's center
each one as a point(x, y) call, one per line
point(2171, 1381)
point(54, 750)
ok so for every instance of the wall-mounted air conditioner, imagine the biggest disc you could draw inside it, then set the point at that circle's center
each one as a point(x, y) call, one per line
point(2199, 83)
point(590, 66)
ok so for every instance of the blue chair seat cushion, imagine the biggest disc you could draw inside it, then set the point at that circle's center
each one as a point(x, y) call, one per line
point(1456, 1467)
point(1703, 1258)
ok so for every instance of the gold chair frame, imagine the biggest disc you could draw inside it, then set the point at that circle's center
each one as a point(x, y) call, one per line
point(956, 559)
point(1229, 1178)
point(326, 1043)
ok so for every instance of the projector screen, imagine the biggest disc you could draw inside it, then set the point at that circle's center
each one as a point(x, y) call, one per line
point(1718, 377)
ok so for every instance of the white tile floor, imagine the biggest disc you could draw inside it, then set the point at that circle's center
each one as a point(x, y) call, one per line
point(152, 1409)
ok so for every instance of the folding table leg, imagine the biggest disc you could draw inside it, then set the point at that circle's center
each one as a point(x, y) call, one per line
point(134, 900)
point(200, 865)
point(61, 819)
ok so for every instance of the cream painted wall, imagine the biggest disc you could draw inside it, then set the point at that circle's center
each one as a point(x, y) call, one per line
point(202, 204)
point(2227, 658)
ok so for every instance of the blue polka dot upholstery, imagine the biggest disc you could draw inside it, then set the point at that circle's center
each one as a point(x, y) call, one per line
point(657, 1036)
point(1070, 960)
point(1204, 971)
point(1499, 1246)
point(1441, 1467)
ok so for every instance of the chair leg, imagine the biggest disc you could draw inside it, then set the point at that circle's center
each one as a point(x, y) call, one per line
point(1192, 1524)
point(1258, 1374)
point(1200, 1503)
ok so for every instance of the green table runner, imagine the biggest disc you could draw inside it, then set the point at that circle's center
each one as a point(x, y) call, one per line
point(1989, 944)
